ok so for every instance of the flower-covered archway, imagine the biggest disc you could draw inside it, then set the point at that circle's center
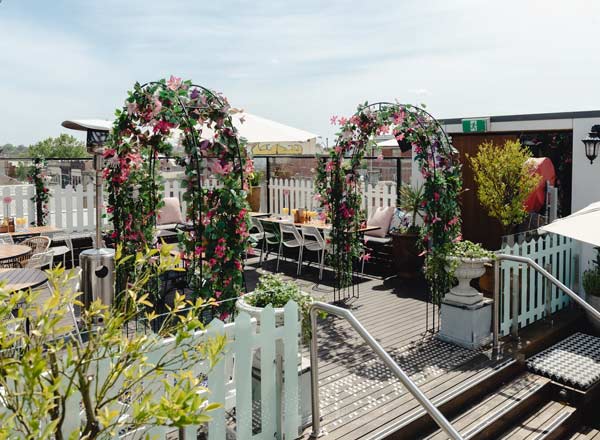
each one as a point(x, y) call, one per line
point(337, 184)
point(156, 116)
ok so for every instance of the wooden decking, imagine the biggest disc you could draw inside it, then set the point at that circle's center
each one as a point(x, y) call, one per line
point(360, 397)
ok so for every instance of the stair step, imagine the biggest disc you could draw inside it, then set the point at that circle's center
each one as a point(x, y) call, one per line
point(490, 415)
point(548, 422)
point(586, 433)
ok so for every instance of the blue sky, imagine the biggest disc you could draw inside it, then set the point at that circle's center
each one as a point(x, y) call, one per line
point(297, 62)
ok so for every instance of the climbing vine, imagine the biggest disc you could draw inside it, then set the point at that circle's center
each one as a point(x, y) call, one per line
point(338, 191)
point(155, 117)
point(39, 178)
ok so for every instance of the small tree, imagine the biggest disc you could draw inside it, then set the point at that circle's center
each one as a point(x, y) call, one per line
point(64, 145)
point(504, 180)
point(126, 382)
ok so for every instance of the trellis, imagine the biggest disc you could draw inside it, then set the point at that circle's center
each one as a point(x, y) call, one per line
point(156, 116)
point(337, 184)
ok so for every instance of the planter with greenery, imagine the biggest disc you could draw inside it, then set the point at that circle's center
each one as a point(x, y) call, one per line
point(466, 261)
point(253, 196)
point(591, 285)
point(406, 246)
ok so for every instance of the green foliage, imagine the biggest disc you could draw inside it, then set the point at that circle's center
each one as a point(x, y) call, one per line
point(274, 290)
point(410, 200)
point(255, 178)
point(41, 370)
point(64, 145)
point(591, 277)
point(468, 249)
point(504, 180)
point(10, 150)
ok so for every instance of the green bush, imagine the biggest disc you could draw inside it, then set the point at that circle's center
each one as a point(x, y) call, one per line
point(468, 249)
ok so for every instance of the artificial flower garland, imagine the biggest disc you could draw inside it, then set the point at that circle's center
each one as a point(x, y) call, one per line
point(37, 175)
point(337, 186)
point(144, 129)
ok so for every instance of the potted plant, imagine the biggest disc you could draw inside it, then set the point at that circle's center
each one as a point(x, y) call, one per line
point(591, 285)
point(254, 181)
point(273, 290)
point(466, 261)
point(405, 239)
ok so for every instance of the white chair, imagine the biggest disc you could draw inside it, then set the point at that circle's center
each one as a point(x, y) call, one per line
point(72, 286)
point(63, 249)
point(257, 237)
point(6, 239)
point(40, 260)
point(314, 241)
point(296, 242)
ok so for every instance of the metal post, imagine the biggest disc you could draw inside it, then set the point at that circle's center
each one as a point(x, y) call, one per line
point(496, 307)
point(268, 177)
point(398, 174)
point(548, 296)
point(98, 167)
point(514, 330)
point(314, 377)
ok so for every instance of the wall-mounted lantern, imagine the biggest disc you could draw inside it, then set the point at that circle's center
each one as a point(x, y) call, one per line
point(592, 143)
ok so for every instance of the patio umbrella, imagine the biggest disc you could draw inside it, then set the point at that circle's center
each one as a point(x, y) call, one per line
point(581, 225)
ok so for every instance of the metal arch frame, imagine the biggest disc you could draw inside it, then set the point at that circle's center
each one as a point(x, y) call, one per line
point(448, 150)
point(192, 137)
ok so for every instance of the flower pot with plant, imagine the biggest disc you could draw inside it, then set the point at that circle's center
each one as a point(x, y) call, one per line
point(466, 261)
point(405, 240)
point(254, 191)
point(273, 290)
point(591, 285)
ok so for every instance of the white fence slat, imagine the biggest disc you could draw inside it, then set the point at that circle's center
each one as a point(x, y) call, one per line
point(91, 214)
point(290, 367)
point(268, 379)
point(68, 192)
point(243, 376)
point(216, 384)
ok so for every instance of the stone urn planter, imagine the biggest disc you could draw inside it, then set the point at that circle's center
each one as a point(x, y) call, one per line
point(465, 270)
point(406, 252)
point(253, 198)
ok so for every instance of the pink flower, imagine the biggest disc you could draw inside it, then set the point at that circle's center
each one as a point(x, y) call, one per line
point(174, 83)
point(221, 170)
point(343, 121)
point(333, 120)
point(380, 156)
point(436, 197)
point(7, 200)
point(132, 108)
point(329, 166)
point(366, 257)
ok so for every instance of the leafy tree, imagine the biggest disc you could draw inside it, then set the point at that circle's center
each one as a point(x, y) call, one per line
point(64, 145)
point(126, 382)
point(10, 150)
point(504, 180)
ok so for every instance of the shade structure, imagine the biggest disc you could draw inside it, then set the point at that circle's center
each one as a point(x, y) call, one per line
point(264, 136)
point(583, 225)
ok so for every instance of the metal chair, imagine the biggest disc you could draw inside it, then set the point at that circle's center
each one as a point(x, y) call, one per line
point(259, 236)
point(272, 235)
point(6, 239)
point(296, 242)
point(72, 286)
point(63, 249)
point(40, 261)
point(314, 241)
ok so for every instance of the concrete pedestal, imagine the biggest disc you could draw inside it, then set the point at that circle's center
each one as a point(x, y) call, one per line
point(466, 325)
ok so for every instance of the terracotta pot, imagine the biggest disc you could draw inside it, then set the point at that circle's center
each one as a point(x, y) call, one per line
point(253, 198)
point(406, 252)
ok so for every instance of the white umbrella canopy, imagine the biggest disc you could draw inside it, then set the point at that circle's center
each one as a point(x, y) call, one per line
point(254, 129)
point(581, 225)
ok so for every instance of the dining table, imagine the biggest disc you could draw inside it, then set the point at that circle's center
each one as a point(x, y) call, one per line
point(317, 224)
point(31, 231)
point(22, 279)
point(13, 251)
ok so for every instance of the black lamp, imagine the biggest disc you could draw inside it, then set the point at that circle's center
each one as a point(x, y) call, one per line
point(592, 143)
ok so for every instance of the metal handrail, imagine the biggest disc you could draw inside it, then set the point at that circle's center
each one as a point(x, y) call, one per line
point(551, 278)
point(431, 409)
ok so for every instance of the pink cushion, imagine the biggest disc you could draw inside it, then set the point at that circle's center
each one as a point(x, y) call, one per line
point(382, 217)
point(170, 213)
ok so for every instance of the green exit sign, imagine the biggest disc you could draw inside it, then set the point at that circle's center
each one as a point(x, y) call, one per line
point(474, 125)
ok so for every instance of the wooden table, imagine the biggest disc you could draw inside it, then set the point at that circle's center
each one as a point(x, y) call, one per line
point(35, 230)
point(11, 251)
point(318, 225)
point(259, 214)
point(22, 279)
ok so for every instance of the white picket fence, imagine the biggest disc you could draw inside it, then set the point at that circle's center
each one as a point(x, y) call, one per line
point(557, 254)
point(275, 407)
point(299, 193)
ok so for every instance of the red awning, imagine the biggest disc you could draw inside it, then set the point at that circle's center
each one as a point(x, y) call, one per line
point(544, 167)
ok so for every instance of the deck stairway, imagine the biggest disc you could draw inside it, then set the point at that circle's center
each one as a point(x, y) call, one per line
point(548, 397)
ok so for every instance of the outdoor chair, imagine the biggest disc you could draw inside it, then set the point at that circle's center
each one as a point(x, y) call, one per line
point(313, 241)
point(296, 242)
point(259, 236)
point(40, 260)
point(6, 239)
point(272, 235)
point(37, 244)
point(63, 250)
